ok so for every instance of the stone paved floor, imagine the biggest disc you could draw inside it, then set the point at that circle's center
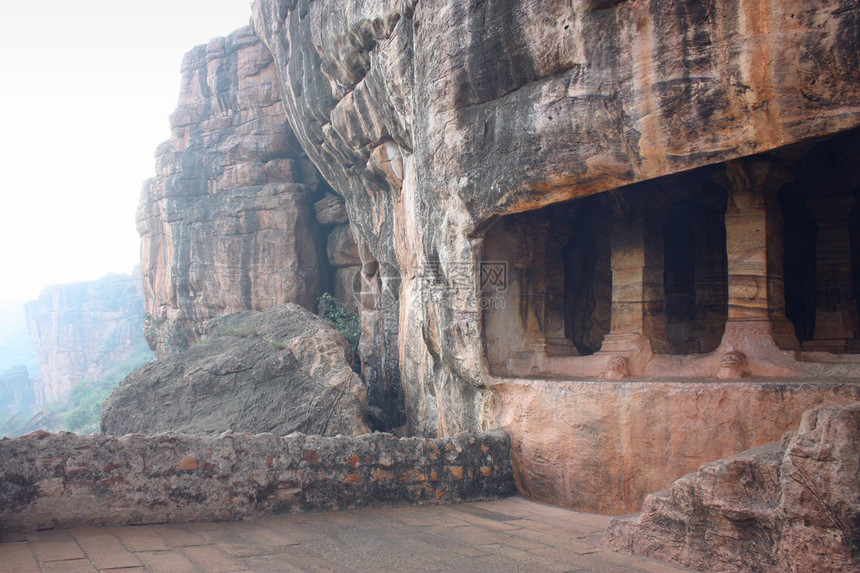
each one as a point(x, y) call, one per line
point(507, 535)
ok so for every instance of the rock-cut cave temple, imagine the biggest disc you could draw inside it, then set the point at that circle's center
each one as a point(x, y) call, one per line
point(625, 232)
point(744, 268)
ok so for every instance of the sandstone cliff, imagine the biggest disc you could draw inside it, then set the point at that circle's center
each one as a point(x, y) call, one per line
point(237, 217)
point(228, 223)
point(433, 118)
point(437, 121)
point(82, 329)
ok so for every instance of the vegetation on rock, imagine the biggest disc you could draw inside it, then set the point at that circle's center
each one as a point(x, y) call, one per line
point(79, 412)
point(335, 312)
point(244, 330)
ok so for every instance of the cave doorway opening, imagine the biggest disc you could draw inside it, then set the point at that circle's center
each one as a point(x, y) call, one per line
point(587, 275)
point(821, 244)
point(695, 273)
point(558, 299)
point(598, 275)
point(799, 260)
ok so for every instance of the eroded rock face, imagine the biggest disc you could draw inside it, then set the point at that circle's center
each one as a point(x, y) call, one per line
point(227, 224)
point(82, 329)
point(433, 119)
point(282, 370)
point(786, 506)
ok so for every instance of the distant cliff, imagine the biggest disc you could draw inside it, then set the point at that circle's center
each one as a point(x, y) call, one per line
point(16, 391)
point(82, 329)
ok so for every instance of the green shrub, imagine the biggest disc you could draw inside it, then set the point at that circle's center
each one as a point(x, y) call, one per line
point(341, 318)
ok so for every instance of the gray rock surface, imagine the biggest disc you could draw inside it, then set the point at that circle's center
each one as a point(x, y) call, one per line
point(282, 370)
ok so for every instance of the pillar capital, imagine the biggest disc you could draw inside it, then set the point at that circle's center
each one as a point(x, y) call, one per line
point(751, 181)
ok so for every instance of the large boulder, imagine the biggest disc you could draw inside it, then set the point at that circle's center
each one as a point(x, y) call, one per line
point(281, 371)
point(792, 505)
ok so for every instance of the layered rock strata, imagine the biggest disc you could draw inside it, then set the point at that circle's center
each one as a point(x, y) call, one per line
point(83, 329)
point(438, 121)
point(227, 224)
point(786, 506)
point(237, 217)
point(64, 480)
point(283, 370)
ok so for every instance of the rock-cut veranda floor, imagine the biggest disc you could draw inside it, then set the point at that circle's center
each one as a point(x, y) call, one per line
point(508, 535)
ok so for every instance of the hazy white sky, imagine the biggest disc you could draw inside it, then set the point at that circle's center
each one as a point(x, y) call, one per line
point(87, 87)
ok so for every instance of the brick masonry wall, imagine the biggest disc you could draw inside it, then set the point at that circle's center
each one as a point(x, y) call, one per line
point(64, 480)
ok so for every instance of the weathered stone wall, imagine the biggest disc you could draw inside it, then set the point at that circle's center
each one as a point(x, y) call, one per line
point(433, 119)
point(786, 506)
point(64, 480)
point(83, 329)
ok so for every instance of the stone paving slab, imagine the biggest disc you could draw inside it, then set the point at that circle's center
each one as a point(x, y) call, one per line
point(104, 550)
point(510, 535)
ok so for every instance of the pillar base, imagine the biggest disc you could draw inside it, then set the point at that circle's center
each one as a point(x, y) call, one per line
point(623, 343)
point(770, 346)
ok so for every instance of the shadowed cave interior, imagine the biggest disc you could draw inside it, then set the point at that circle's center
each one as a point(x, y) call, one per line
point(652, 260)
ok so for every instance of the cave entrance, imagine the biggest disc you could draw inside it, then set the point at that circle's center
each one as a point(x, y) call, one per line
point(557, 299)
point(585, 261)
point(715, 259)
point(695, 272)
point(599, 275)
point(821, 210)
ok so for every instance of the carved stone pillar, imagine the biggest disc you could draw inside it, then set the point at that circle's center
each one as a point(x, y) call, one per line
point(555, 341)
point(638, 305)
point(540, 271)
point(754, 230)
point(835, 306)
